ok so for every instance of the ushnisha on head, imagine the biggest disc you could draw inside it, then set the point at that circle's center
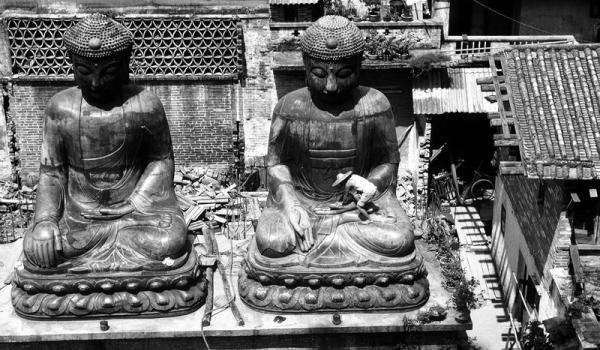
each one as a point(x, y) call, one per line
point(332, 50)
point(100, 49)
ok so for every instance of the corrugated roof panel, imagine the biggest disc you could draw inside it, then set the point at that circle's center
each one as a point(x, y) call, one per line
point(451, 90)
point(293, 2)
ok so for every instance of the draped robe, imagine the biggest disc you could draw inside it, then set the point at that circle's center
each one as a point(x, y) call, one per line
point(93, 159)
point(315, 146)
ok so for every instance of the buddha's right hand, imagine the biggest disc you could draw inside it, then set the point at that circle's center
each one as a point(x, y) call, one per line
point(300, 221)
point(41, 245)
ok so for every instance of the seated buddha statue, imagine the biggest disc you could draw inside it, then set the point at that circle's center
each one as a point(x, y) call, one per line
point(108, 237)
point(315, 250)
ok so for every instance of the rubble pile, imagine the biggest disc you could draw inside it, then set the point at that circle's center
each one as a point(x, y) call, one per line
point(408, 196)
point(16, 210)
point(210, 200)
point(405, 191)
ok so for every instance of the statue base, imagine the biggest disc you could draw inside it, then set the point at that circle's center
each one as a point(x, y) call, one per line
point(115, 294)
point(289, 285)
point(276, 298)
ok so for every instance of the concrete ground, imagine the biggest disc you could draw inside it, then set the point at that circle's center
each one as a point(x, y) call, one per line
point(491, 323)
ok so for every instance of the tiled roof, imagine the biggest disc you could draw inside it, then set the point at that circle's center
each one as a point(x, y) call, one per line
point(451, 90)
point(554, 94)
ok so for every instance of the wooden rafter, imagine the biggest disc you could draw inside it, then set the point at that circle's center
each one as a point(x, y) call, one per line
point(504, 118)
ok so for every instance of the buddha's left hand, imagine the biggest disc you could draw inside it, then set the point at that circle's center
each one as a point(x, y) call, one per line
point(110, 213)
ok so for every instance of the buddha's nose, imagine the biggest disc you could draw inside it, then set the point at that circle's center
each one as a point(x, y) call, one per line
point(331, 85)
point(95, 82)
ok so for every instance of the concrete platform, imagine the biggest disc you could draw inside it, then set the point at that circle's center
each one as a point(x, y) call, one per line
point(261, 330)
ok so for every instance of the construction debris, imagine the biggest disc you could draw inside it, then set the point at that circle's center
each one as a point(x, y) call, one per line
point(208, 199)
point(16, 210)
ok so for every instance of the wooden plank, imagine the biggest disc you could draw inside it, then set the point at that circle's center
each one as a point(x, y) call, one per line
point(588, 249)
point(498, 121)
point(512, 170)
point(488, 80)
point(501, 110)
point(511, 104)
point(511, 164)
point(506, 142)
point(493, 98)
point(495, 115)
point(491, 88)
point(577, 270)
point(506, 137)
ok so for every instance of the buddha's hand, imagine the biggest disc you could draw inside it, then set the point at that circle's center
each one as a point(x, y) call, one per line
point(109, 213)
point(300, 221)
point(41, 245)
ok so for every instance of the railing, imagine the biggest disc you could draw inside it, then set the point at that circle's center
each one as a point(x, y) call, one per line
point(471, 46)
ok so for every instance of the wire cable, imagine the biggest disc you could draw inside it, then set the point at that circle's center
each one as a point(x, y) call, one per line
point(517, 21)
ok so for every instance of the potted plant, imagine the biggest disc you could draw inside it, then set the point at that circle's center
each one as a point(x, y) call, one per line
point(333, 7)
point(371, 45)
point(407, 15)
point(374, 16)
point(400, 46)
point(357, 9)
point(387, 51)
point(374, 10)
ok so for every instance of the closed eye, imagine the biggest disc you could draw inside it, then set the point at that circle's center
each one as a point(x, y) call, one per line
point(83, 69)
point(344, 73)
point(319, 72)
point(111, 69)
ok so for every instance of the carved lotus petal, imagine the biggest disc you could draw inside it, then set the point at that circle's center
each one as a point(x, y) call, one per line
point(364, 296)
point(55, 304)
point(108, 302)
point(260, 293)
point(285, 296)
point(311, 298)
point(388, 294)
point(162, 300)
point(337, 297)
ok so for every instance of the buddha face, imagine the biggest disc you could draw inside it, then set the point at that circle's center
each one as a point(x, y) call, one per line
point(332, 81)
point(101, 79)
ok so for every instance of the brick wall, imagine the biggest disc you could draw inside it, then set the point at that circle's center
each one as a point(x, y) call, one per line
point(424, 157)
point(258, 93)
point(538, 222)
point(199, 114)
point(5, 166)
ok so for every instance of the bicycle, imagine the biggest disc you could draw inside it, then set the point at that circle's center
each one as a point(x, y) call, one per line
point(481, 187)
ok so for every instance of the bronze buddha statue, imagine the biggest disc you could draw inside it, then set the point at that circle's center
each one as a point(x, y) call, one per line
point(312, 250)
point(108, 236)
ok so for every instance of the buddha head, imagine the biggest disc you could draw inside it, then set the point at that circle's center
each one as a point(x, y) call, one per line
point(100, 49)
point(332, 49)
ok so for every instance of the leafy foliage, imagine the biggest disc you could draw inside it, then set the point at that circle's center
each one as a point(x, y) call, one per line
point(442, 235)
point(534, 337)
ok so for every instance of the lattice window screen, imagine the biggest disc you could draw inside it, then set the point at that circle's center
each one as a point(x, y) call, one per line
point(196, 48)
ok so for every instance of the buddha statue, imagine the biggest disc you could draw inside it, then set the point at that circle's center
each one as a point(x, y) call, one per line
point(333, 235)
point(108, 237)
